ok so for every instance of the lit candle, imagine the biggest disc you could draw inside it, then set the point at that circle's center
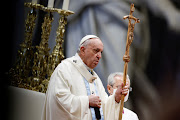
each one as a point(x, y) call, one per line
point(34, 1)
point(50, 3)
point(65, 5)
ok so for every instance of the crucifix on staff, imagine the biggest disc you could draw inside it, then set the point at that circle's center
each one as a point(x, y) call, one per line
point(126, 57)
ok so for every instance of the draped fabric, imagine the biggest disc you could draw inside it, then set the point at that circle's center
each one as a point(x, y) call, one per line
point(66, 97)
point(104, 18)
point(96, 93)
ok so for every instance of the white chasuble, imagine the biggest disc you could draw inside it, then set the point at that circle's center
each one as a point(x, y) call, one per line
point(66, 97)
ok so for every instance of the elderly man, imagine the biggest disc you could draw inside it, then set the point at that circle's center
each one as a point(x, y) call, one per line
point(75, 92)
point(115, 80)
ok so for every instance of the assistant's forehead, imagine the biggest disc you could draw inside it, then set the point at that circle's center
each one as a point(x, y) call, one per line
point(119, 78)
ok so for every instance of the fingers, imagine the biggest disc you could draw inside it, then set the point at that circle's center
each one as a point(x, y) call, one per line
point(98, 103)
point(125, 87)
point(94, 101)
point(125, 93)
point(123, 90)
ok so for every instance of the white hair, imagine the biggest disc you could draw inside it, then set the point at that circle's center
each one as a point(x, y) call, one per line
point(112, 75)
point(85, 43)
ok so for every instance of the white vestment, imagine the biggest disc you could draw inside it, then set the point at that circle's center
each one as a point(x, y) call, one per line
point(129, 115)
point(66, 97)
point(112, 111)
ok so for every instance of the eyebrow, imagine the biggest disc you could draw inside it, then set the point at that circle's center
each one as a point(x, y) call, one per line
point(98, 49)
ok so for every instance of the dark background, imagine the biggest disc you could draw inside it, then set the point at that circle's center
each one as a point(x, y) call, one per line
point(163, 66)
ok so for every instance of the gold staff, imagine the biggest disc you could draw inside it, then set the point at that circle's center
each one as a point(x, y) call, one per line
point(126, 57)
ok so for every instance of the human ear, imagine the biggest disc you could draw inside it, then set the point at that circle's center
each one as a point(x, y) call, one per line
point(109, 88)
point(82, 49)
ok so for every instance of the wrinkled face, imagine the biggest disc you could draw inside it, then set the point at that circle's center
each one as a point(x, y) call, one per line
point(118, 82)
point(91, 54)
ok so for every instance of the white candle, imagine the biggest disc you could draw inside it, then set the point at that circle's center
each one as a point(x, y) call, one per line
point(50, 3)
point(34, 1)
point(65, 5)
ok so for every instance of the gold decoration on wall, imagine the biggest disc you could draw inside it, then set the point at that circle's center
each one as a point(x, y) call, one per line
point(33, 69)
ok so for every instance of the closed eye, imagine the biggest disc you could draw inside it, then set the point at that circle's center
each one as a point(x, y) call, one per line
point(96, 50)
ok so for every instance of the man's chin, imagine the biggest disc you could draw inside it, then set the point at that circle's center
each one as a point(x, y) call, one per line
point(93, 66)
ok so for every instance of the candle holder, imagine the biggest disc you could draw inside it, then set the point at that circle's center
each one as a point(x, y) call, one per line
point(33, 70)
point(40, 67)
point(22, 68)
point(57, 53)
point(46, 66)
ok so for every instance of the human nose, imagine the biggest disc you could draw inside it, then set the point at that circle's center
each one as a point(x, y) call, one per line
point(99, 55)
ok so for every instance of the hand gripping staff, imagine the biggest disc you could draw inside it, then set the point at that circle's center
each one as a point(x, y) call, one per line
point(126, 57)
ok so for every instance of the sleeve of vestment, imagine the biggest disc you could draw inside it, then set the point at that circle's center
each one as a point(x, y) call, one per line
point(109, 105)
point(111, 108)
point(74, 106)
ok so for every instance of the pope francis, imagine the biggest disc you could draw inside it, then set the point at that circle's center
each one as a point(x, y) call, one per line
point(75, 92)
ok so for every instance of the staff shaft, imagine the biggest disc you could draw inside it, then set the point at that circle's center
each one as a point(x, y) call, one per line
point(126, 57)
point(122, 96)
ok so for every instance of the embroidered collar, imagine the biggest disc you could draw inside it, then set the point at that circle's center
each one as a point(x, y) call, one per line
point(82, 68)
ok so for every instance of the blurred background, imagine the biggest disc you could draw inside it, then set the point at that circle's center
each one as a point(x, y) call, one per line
point(154, 68)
